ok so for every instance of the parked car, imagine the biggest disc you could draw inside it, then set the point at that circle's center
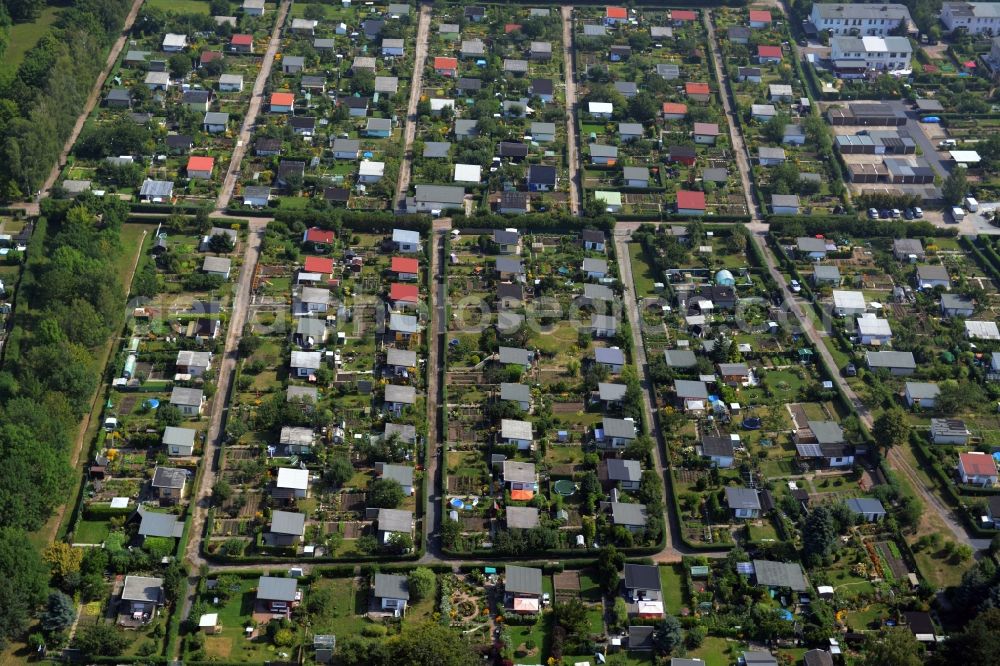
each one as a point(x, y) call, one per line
point(884, 213)
point(947, 143)
point(908, 214)
point(850, 370)
point(894, 213)
point(918, 212)
point(873, 213)
point(796, 287)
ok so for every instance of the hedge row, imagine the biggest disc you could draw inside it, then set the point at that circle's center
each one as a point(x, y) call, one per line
point(534, 222)
point(785, 225)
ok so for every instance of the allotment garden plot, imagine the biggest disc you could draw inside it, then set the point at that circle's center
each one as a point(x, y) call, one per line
point(330, 135)
point(650, 116)
point(545, 448)
point(164, 130)
point(323, 459)
point(491, 117)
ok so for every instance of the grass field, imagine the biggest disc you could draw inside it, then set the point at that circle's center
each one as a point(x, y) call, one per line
point(642, 275)
point(673, 588)
point(716, 651)
point(180, 6)
point(91, 531)
point(23, 36)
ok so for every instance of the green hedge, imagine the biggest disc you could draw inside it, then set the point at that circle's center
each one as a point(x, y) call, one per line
point(534, 222)
point(785, 225)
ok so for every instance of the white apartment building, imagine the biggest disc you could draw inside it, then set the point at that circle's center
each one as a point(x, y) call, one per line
point(859, 19)
point(976, 17)
point(888, 54)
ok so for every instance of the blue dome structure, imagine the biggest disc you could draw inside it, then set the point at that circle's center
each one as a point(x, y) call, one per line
point(725, 278)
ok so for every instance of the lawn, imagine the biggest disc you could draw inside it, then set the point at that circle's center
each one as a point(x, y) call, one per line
point(783, 383)
point(91, 531)
point(345, 616)
point(24, 36)
point(180, 6)
point(537, 634)
point(672, 583)
point(716, 652)
point(642, 274)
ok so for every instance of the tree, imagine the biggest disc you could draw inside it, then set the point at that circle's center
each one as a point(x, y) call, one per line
point(101, 640)
point(955, 186)
point(23, 10)
point(222, 492)
point(428, 644)
point(619, 613)
point(977, 644)
point(819, 535)
point(891, 428)
point(667, 634)
point(643, 107)
point(339, 471)
point(180, 65)
point(609, 564)
point(173, 577)
point(63, 558)
point(774, 129)
point(168, 415)
point(422, 582)
point(895, 646)
point(221, 244)
point(23, 582)
point(60, 611)
point(572, 616)
point(385, 494)
point(219, 7)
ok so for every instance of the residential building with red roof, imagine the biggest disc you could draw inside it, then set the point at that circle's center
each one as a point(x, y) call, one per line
point(760, 18)
point(319, 236)
point(699, 92)
point(323, 265)
point(615, 15)
point(690, 203)
point(200, 167)
point(403, 295)
point(674, 111)
point(406, 268)
point(978, 469)
point(446, 66)
point(767, 53)
point(282, 102)
point(683, 15)
point(241, 43)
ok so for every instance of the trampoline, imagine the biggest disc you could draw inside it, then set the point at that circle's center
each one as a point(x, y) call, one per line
point(564, 487)
point(752, 423)
point(457, 503)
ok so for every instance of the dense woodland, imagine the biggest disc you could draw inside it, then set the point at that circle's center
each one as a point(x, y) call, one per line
point(40, 102)
point(72, 301)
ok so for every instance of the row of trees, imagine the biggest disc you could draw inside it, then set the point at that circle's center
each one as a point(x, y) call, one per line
point(39, 105)
point(71, 299)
